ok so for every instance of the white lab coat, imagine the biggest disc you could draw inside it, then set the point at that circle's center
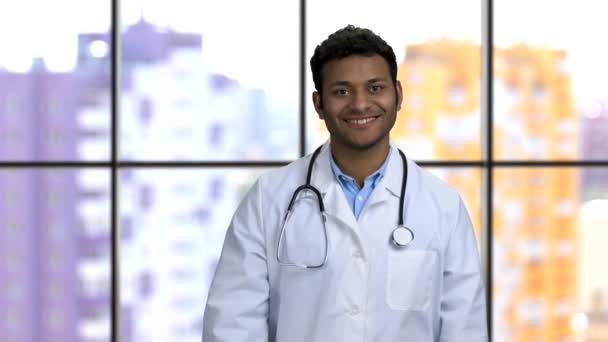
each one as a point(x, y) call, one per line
point(367, 291)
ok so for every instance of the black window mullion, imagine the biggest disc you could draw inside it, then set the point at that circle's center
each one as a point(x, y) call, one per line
point(302, 121)
point(488, 167)
point(114, 235)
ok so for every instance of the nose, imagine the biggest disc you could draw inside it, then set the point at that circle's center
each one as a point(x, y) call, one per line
point(360, 101)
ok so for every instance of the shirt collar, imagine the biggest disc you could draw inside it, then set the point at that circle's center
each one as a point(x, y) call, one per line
point(376, 176)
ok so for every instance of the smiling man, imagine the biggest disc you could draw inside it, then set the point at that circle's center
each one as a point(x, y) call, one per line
point(358, 99)
point(353, 242)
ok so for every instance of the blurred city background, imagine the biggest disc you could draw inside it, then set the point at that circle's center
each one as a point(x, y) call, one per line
point(219, 81)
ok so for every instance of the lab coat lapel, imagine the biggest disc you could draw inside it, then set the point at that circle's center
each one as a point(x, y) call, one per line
point(390, 185)
point(333, 195)
point(336, 205)
point(415, 208)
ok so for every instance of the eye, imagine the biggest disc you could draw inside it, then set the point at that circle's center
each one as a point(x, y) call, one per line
point(375, 88)
point(340, 92)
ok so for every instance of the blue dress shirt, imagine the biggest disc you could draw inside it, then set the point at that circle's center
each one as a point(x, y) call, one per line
point(355, 196)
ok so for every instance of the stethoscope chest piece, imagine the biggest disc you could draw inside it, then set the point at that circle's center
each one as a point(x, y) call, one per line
point(402, 236)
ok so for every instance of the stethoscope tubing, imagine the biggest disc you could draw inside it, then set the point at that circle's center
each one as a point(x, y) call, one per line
point(395, 236)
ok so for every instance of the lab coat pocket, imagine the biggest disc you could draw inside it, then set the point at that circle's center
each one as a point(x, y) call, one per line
point(409, 279)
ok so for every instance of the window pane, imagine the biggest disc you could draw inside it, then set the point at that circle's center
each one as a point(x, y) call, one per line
point(55, 252)
point(550, 83)
point(549, 250)
point(54, 80)
point(210, 80)
point(439, 66)
point(172, 225)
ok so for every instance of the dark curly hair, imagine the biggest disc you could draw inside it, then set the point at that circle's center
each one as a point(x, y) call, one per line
point(347, 41)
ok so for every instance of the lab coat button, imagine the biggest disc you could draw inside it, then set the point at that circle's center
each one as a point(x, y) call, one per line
point(354, 311)
point(357, 255)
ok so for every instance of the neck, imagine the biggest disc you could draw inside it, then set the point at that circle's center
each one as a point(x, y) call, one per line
point(360, 163)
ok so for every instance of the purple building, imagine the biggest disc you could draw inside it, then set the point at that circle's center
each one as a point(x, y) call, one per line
point(16, 116)
point(47, 245)
point(18, 252)
point(41, 244)
point(595, 147)
point(44, 240)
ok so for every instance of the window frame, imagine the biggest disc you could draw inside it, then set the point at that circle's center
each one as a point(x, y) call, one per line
point(487, 163)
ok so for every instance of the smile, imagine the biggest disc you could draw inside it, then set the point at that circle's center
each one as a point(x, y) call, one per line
point(360, 122)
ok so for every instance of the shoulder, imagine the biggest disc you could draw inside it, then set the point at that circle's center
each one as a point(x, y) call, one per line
point(279, 183)
point(431, 188)
point(440, 203)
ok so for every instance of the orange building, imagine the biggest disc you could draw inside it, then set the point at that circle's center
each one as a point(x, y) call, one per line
point(440, 116)
point(535, 208)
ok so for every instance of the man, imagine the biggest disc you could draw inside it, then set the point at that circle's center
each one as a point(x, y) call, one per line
point(358, 278)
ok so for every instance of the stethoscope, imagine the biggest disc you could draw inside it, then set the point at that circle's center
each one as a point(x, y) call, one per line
point(400, 237)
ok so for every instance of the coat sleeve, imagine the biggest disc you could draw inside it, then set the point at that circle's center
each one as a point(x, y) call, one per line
point(463, 305)
point(237, 305)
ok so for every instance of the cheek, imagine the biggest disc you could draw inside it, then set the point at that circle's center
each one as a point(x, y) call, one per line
point(391, 105)
point(332, 105)
point(330, 113)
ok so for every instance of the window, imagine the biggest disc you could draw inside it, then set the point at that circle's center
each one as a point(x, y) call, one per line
point(145, 157)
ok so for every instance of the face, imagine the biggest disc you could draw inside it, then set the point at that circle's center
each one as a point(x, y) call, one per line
point(359, 102)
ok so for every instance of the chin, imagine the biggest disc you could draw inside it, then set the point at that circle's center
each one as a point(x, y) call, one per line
point(363, 145)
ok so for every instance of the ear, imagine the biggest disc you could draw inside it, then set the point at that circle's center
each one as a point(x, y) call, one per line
point(399, 92)
point(316, 100)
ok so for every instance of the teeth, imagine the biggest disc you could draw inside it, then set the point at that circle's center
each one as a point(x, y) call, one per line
point(362, 121)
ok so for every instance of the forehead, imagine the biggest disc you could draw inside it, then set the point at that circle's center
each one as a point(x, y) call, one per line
point(355, 68)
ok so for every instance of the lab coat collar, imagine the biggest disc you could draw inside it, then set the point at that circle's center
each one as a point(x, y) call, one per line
point(322, 175)
point(394, 173)
point(325, 180)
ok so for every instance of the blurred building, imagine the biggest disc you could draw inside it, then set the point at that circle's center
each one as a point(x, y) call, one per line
point(173, 221)
point(440, 116)
point(56, 245)
point(594, 185)
point(57, 277)
point(594, 139)
point(535, 230)
point(175, 108)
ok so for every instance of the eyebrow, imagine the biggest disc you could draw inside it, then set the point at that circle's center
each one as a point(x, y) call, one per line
point(370, 81)
point(377, 79)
